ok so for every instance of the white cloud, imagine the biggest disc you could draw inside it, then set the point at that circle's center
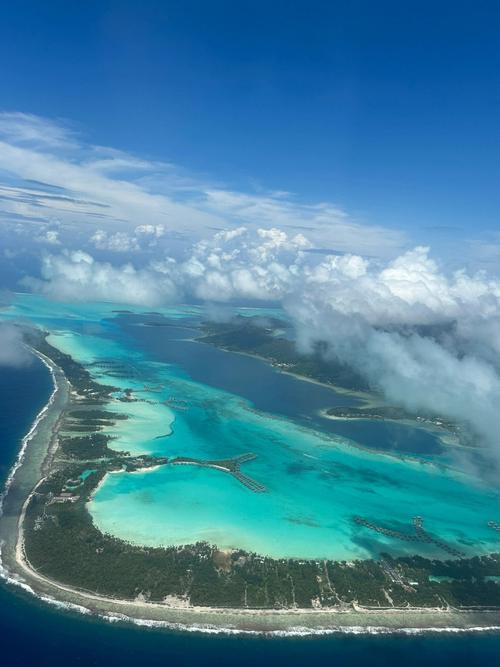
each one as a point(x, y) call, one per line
point(269, 264)
point(420, 373)
point(410, 290)
point(428, 342)
point(27, 129)
point(143, 237)
point(81, 185)
point(49, 236)
point(117, 242)
point(325, 224)
point(151, 230)
point(241, 263)
point(12, 350)
point(76, 276)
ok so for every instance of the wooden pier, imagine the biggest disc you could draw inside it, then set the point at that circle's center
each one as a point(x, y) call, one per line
point(419, 534)
point(231, 466)
point(115, 368)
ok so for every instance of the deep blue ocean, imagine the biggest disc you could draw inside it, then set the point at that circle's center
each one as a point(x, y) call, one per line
point(32, 633)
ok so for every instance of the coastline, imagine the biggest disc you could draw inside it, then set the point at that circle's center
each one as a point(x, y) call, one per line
point(446, 437)
point(28, 472)
point(369, 398)
point(26, 439)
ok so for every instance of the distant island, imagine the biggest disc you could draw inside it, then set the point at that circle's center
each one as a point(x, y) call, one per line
point(267, 339)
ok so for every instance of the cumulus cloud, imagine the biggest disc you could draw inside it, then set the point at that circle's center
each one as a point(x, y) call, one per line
point(262, 264)
point(12, 350)
point(325, 224)
point(427, 340)
point(157, 231)
point(76, 276)
point(422, 373)
point(49, 236)
point(144, 236)
point(242, 264)
point(410, 290)
point(271, 265)
point(117, 242)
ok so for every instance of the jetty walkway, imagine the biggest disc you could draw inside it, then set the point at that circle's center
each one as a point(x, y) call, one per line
point(231, 466)
point(419, 534)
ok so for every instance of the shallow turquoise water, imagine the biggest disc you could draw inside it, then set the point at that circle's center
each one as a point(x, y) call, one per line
point(315, 480)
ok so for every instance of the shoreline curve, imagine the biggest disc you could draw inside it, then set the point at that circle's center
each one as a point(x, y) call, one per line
point(28, 471)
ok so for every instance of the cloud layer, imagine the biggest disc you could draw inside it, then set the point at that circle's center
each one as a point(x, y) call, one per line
point(426, 340)
point(76, 276)
point(49, 176)
point(12, 350)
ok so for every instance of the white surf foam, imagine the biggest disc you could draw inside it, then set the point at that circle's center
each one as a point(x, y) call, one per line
point(31, 433)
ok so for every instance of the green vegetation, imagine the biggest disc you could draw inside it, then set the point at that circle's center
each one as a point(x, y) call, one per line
point(103, 415)
point(92, 446)
point(62, 543)
point(77, 376)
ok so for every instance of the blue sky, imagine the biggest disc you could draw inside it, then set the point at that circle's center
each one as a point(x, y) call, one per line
point(387, 110)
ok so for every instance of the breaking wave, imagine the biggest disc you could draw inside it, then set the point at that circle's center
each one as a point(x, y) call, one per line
point(31, 433)
point(212, 629)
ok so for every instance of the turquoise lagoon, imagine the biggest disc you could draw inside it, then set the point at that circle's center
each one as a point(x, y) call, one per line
point(317, 473)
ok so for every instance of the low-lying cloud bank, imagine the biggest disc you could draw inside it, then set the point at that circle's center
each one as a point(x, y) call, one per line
point(76, 276)
point(429, 341)
point(12, 350)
